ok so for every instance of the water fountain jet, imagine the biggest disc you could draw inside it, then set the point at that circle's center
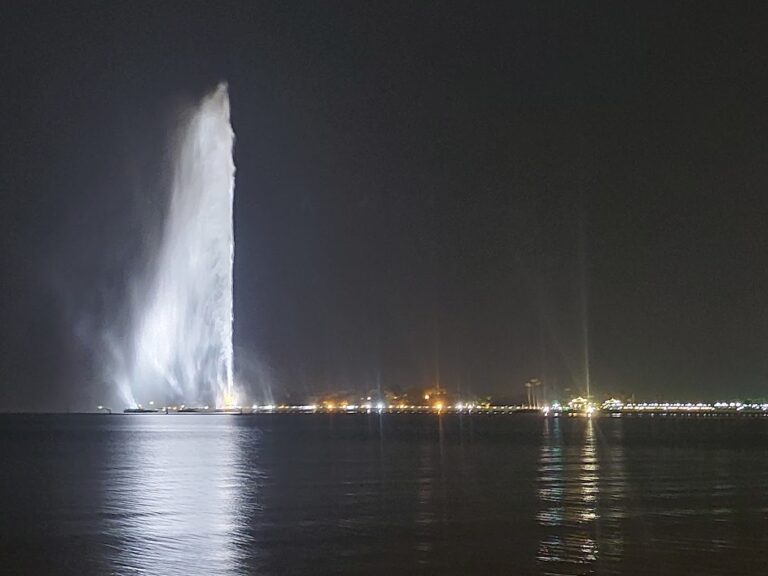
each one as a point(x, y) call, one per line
point(179, 346)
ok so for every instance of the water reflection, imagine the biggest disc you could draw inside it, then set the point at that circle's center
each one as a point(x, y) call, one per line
point(430, 501)
point(580, 500)
point(175, 502)
point(613, 502)
point(84, 495)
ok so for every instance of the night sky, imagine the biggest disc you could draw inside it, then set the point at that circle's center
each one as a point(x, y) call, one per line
point(424, 190)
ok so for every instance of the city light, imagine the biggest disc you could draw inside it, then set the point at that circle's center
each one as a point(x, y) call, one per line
point(575, 407)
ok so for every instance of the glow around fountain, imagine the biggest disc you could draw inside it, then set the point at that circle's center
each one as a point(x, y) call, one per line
point(179, 345)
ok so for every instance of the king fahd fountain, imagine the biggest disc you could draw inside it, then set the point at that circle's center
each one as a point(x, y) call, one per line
point(178, 347)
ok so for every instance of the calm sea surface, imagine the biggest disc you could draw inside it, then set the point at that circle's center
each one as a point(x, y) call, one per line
point(391, 494)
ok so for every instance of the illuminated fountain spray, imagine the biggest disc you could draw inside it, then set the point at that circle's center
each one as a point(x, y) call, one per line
point(182, 314)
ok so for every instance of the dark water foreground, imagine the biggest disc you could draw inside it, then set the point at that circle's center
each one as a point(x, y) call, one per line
point(392, 494)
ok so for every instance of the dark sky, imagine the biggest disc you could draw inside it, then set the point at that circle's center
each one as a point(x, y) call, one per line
point(419, 184)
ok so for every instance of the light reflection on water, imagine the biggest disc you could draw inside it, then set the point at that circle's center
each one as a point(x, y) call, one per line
point(220, 495)
point(176, 506)
point(581, 500)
